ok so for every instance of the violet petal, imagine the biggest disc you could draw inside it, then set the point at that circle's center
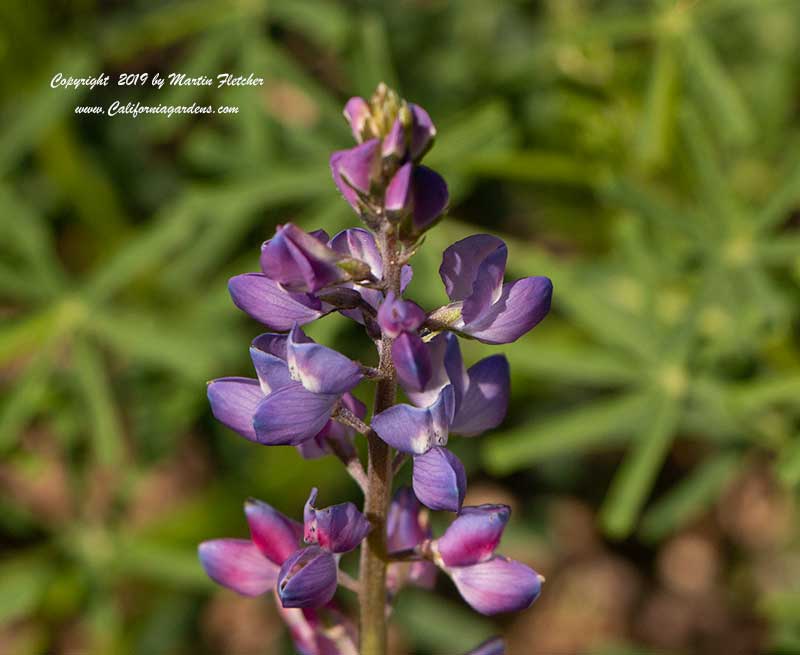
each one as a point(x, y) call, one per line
point(338, 528)
point(320, 369)
point(484, 403)
point(412, 361)
point(521, 307)
point(415, 430)
point(234, 401)
point(308, 578)
point(239, 565)
point(265, 300)
point(473, 535)
point(291, 415)
point(439, 480)
point(497, 585)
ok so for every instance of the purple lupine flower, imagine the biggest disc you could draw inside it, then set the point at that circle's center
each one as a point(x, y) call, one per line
point(302, 261)
point(407, 527)
point(396, 316)
point(481, 393)
point(309, 577)
point(304, 577)
point(490, 583)
point(299, 385)
point(338, 528)
point(251, 566)
point(360, 244)
point(483, 307)
point(438, 476)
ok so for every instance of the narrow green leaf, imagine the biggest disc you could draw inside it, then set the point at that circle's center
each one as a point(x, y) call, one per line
point(21, 401)
point(374, 61)
point(159, 343)
point(714, 88)
point(24, 582)
point(690, 497)
point(656, 130)
point(594, 425)
point(637, 473)
point(93, 383)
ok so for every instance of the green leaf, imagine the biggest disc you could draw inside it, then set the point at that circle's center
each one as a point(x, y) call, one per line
point(690, 497)
point(25, 579)
point(597, 424)
point(637, 473)
point(657, 127)
point(23, 400)
point(93, 383)
point(788, 466)
point(714, 88)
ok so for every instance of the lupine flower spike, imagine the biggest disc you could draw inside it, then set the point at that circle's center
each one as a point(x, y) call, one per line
point(305, 394)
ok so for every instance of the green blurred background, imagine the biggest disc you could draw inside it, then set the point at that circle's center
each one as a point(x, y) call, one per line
point(643, 154)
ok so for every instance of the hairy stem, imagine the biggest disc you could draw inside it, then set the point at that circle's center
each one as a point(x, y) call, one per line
point(372, 596)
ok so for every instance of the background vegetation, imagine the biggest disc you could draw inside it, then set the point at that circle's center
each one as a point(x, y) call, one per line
point(644, 154)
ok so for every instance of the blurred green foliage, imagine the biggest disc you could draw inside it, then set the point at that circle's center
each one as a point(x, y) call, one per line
point(642, 154)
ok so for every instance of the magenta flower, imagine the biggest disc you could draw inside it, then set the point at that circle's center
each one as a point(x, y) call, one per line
point(490, 583)
point(483, 306)
point(303, 577)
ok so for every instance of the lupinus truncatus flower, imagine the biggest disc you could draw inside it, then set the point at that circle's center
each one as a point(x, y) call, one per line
point(483, 307)
point(490, 583)
point(299, 385)
point(302, 397)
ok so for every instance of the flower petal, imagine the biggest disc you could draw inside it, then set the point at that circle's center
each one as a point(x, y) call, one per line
point(461, 263)
point(416, 429)
point(396, 315)
point(239, 565)
point(439, 480)
point(276, 535)
point(338, 528)
point(300, 261)
point(398, 197)
point(412, 361)
point(358, 243)
point(394, 143)
point(473, 536)
point(265, 301)
point(291, 415)
point(234, 402)
point(354, 169)
point(484, 404)
point(521, 307)
point(487, 287)
point(430, 197)
point(357, 111)
point(268, 352)
point(497, 585)
point(320, 369)
point(422, 132)
point(406, 523)
point(308, 578)
point(447, 367)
